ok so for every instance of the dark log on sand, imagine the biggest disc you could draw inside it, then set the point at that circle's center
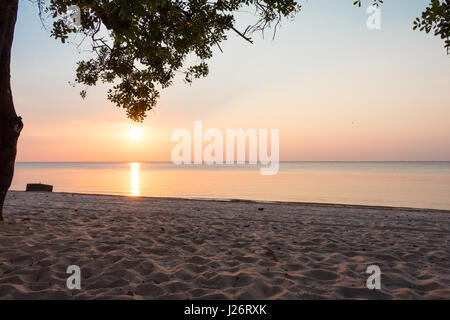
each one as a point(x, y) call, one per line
point(39, 187)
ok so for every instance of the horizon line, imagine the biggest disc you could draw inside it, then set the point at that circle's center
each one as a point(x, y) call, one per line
point(284, 161)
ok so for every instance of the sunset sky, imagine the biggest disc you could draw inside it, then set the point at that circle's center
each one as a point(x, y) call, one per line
point(336, 90)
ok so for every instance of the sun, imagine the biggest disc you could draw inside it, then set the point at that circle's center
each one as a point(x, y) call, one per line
point(135, 133)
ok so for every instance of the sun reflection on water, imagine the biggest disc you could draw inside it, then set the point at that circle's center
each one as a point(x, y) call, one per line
point(135, 190)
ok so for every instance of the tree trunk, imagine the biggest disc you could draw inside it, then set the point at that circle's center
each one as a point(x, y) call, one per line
point(10, 124)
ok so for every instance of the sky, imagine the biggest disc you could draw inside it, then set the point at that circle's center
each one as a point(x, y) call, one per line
point(336, 91)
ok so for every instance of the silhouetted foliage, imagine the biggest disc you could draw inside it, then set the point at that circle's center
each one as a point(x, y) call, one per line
point(141, 45)
point(436, 18)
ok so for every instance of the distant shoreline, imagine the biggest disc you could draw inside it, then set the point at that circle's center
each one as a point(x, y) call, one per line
point(256, 201)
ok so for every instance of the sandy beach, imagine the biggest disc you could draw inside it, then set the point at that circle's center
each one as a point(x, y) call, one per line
point(160, 248)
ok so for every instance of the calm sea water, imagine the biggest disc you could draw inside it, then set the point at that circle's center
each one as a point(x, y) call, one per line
point(410, 184)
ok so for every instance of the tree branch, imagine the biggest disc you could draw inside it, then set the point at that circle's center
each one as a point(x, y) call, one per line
point(242, 35)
